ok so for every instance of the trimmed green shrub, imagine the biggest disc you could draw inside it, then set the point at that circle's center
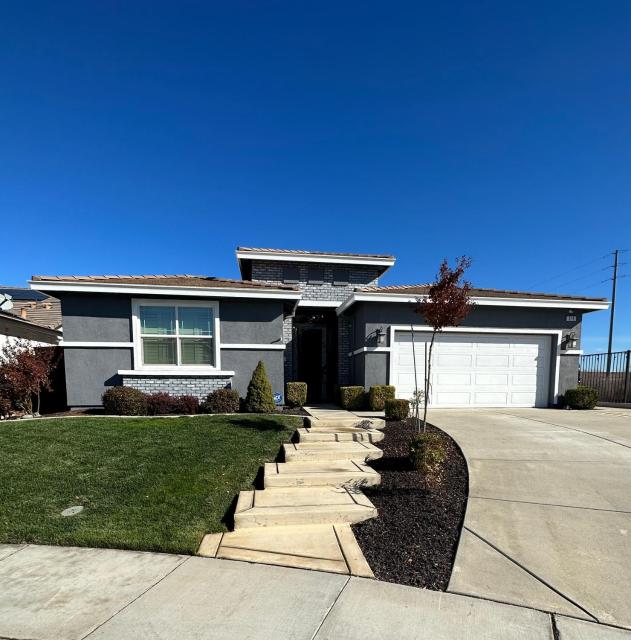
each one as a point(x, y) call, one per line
point(186, 405)
point(427, 454)
point(352, 398)
point(296, 394)
point(164, 404)
point(378, 395)
point(397, 409)
point(125, 401)
point(581, 398)
point(259, 398)
point(221, 401)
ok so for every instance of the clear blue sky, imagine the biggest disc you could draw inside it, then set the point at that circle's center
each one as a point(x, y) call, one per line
point(153, 137)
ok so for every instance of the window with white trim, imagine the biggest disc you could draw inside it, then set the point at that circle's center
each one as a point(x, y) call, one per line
point(179, 334)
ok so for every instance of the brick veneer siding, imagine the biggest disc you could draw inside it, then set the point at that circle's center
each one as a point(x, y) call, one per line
point(344, 331)
point(359, 276)
point(177, 386)
point(288, 339)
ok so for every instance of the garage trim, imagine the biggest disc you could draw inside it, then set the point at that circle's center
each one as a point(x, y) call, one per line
point(556, 356)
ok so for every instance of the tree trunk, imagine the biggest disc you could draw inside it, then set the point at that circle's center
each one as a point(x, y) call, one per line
point(428, 374)
point(416, 407)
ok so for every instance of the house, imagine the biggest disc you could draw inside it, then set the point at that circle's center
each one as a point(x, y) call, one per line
point(319, 317)
point(33, 316)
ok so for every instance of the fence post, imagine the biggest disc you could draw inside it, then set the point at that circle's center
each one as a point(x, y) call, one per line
point(626, 376)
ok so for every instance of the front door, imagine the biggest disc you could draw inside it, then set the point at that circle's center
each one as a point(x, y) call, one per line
point(312, 361)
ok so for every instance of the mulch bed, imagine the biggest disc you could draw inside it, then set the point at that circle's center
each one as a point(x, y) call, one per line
point(415, 538)
point(293, 411)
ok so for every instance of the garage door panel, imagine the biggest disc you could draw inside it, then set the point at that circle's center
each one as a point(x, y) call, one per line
point(491, 379)
point(477, 369)
point(492, 361)
point(452, 360)
point(450, 378)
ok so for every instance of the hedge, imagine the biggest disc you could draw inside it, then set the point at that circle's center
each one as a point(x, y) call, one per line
point(378, 395)
point(352, 398)
point(296, 394)
point(581, 398)
point(125, 401)
point(397, 409)
point(221, 401)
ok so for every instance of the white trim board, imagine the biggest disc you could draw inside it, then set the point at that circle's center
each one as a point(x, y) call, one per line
point(162, 290)
point(257, 347)
point(319, 303)
point(546, 303)
point(556, 345)
point(180, 372)
point(368, 350)
point(314, 257)
point(96, 344)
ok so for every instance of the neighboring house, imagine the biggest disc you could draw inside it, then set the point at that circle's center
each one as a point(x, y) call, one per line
point(34, 317)
point(318, 317)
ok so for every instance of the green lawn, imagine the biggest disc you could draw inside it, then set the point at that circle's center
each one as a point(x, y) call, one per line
point(153, 484)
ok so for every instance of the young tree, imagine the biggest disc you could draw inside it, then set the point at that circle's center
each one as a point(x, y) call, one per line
point(447, 304)
point(24, 372)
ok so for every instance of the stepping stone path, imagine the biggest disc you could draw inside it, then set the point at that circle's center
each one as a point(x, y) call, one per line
point(302, 518)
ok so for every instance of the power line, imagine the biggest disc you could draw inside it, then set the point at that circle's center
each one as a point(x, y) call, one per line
point(563, 273)
point(587, 275)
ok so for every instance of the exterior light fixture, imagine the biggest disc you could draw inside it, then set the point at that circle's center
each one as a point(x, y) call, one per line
point(380, 335)
point(570, 341)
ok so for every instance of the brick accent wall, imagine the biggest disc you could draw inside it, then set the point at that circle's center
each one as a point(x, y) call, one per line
point(344, 330)
point(359, 276)
point(288, 339)
point(177, 386)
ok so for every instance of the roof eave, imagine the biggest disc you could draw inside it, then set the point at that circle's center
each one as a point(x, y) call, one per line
point(164, 290)
point(582, 304)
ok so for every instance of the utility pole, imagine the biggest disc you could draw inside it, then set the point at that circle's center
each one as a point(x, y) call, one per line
point(613, 308)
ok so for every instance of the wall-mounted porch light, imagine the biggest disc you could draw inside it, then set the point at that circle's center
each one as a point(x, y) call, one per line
point(571, 341)
point(380, 335)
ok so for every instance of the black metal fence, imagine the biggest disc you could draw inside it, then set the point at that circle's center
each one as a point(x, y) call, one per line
point(609, 374)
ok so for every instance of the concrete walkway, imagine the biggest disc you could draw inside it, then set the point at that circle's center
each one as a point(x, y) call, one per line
point(303, 515)
point(61, 593)
point(548, 522)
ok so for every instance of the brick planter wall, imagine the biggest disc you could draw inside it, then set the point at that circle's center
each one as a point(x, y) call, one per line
point(177, 386)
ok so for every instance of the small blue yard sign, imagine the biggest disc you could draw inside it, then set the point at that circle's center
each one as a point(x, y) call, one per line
point(278, 398)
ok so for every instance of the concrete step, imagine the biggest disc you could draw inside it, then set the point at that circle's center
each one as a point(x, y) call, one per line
point(285, 506)
point(323, 451)
point(312, 474)
point(318, 547)
point(339, 434)
point(353, 421)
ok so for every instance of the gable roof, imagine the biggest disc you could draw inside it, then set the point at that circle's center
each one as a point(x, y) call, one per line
point(423, 289)
point(163, 285)
point(304, 252)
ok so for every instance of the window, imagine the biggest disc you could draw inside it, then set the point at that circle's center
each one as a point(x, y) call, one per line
point(316, 274)
point(340, 277)
point(171, 335)
point(291, 275)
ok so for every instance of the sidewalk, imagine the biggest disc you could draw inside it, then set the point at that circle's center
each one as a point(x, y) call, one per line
point(61, 593)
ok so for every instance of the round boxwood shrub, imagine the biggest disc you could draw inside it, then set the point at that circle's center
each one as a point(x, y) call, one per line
point(296, 394)
point(397, 409)
point(124, 401)
point(259, 398)
point(581, 398)
point(352, 398)
point(378, 395)
point(221, 401)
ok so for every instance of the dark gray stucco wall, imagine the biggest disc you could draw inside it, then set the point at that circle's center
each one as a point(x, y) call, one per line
point(107, 318)
point(90, 371)
point(372, 367)
point(251, 322)
point(244, 361)
point(103, 318)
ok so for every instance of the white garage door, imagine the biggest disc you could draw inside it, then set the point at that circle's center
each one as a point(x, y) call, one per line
point(475, 370)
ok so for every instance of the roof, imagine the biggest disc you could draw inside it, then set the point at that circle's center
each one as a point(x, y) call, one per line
point(183, 280)
point(22, 293)
point(303, 252)
point(48, 331)
point(422, 289)
point(45, 313)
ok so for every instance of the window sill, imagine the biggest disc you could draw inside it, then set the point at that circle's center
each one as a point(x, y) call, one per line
point(177, 371)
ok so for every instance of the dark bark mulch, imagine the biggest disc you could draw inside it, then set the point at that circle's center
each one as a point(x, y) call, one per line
point(293, 411)
point(415, 538)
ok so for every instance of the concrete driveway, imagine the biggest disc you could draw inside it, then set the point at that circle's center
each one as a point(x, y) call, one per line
point(548, 522)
